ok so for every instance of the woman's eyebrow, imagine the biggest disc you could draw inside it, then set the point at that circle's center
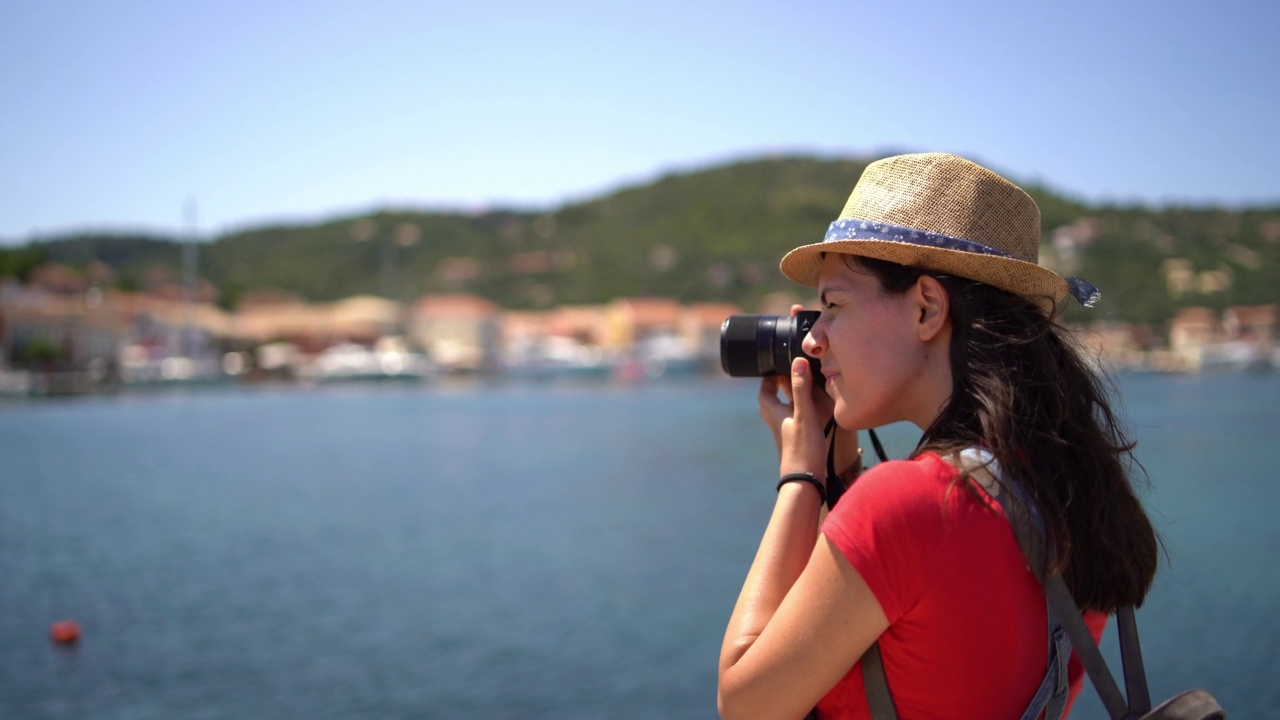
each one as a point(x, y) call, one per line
point(822, 295)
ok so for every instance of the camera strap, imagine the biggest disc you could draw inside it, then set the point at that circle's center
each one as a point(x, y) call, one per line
point(875, 443)
point(835, 486)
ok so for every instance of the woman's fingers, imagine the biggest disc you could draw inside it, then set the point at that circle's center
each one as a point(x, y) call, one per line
point(771, 385)
point(803, 448)
point(772, 410)
point(823, 402)
point(768, 395)
point(787, 387)
point(801, 395)
point(795, 419)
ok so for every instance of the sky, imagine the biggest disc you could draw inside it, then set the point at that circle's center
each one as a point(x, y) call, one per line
point(201, 118)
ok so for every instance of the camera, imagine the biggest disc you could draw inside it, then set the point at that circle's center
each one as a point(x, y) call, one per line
point(759, 345)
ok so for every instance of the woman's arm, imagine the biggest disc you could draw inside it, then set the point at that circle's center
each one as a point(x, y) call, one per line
point(780, 663)
point(804, 615)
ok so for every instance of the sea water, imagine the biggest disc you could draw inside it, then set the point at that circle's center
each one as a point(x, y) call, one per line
point(506, 551)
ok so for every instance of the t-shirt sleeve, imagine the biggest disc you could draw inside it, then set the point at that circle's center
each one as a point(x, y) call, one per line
point(887, 522)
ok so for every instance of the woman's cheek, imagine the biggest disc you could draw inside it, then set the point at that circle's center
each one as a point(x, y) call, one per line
point(842, 409)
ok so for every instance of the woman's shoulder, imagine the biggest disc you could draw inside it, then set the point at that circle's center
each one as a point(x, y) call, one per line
point(906, 526)
point(921, 474)
point(900, 489)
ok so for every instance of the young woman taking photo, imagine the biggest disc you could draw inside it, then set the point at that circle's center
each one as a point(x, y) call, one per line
point(934, 311)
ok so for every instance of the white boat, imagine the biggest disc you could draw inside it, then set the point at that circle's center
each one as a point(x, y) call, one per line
point(350, 361)
point(555, 357)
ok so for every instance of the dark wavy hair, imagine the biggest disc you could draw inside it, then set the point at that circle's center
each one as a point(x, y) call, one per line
point(1023, 389)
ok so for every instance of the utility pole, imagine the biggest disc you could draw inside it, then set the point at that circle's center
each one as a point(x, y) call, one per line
point(189, 259)
point(406, 235)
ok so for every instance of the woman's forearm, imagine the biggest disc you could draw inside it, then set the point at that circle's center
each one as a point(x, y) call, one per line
point(784, 551)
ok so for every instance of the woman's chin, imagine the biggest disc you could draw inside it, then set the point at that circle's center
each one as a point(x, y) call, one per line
point(849, 419)
point(843, 417)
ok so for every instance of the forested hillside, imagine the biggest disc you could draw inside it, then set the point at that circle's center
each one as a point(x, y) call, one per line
point(713, 234)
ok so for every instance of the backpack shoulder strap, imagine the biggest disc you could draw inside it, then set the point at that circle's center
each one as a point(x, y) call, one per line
point(876, 685)
point(1028, 528)
point(1050, 699)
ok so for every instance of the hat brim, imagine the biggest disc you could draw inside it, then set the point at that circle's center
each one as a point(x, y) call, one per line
point(1020, 277)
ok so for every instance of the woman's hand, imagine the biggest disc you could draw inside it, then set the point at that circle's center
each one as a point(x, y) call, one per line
point(798, 417)
point(796, 422)
point(800, 587)
point(793, 426)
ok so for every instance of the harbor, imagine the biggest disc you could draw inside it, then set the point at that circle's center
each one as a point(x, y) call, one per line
point(83, 339)
point(61, 334)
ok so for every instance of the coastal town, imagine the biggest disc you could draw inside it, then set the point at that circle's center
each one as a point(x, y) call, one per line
point(64, 331)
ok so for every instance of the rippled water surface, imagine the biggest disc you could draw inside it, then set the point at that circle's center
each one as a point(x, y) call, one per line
point(504, 551)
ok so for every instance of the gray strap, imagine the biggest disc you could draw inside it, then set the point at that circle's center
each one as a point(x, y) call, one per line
point(1135, 675)
point(1064, 607)
point(1022, 514)
point(876, 685)
point(1068, 613)
point(1061, 603)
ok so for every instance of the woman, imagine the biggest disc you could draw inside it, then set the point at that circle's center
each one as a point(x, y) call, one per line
point(935, 312)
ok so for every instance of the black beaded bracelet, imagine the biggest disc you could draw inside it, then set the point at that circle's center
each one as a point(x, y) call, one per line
point(808, 478)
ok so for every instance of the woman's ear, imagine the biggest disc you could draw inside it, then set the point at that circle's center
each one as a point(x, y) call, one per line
point(932, 307)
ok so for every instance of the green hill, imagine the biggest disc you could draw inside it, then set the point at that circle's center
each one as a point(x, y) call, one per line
point(712, 234)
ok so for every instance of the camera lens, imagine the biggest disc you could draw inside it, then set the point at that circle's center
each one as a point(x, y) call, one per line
point(758, 345)
point(741, 336)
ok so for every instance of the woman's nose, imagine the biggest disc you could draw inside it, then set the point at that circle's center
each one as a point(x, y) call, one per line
point(815, 342)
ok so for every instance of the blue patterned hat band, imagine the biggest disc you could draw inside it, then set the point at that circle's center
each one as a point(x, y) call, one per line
point(852, 229)
point(1083, 291)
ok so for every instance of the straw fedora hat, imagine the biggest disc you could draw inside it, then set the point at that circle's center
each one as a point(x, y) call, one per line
point(947, 214)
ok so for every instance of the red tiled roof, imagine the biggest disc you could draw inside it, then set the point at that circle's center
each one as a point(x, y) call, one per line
point(457, 304)
point(650, 312)
point(713, 314)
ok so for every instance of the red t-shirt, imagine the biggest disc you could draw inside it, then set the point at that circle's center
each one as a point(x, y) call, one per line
point(967, 630)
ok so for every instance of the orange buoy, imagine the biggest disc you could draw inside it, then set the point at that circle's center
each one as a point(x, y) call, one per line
point(65, 632)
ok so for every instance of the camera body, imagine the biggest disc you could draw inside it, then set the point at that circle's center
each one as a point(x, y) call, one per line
point(759, 345)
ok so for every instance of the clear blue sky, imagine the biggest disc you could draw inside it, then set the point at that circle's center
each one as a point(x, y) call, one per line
point(113, 113)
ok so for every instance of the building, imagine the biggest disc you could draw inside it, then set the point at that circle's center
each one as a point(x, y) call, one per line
point(1256, 323)
point(630, 322)
point(1191, 331)
point(70, 341)
point(459, 333)
point(361, 319)
point(702, 323)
